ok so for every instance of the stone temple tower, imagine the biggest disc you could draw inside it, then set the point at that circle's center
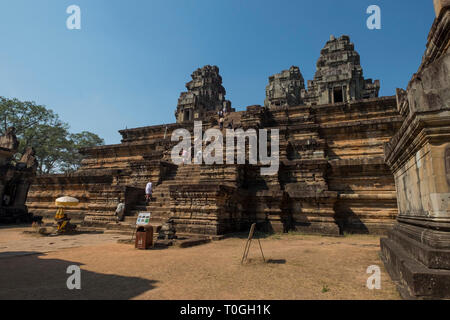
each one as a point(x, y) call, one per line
point(205, 95)
point(339, 78)
point(285, 88)
point(339, 75)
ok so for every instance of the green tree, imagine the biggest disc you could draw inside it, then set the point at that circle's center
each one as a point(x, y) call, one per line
point(24, 115)
point(39, 127)
point(77, 141)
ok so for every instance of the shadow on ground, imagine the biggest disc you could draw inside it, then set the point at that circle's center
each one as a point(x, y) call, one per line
point(244, 235)
point(279, 261)
point(14, 226)
point(30, 277)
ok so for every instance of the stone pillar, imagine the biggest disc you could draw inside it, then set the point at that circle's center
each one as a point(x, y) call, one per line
point(21, 195)
point(417, 250)
point(2, 189)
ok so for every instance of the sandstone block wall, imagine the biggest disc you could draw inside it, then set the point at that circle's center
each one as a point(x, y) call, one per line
point(332, 176)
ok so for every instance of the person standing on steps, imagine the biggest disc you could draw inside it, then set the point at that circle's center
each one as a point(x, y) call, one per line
point(185, 156)
point(148, 192)
point(120, 211)
point(199, 156)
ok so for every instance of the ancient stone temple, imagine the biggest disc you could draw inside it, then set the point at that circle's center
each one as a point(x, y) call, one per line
point(15, 179)
point(204, 97)
point(339, 76)
point(332, 176)
point(417, 251)
point(285, 89)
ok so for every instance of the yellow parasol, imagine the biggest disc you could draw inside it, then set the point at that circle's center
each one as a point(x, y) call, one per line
point(61, 218)
point(67, 202)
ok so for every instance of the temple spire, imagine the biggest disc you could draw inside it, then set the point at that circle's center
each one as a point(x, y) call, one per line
point(205, 95)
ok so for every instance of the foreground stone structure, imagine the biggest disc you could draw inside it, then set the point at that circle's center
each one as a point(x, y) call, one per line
point(332, 177)
point(417, 251)
point(15, 179)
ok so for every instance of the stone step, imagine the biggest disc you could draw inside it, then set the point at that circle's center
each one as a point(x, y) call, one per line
point(158, 202)
point(164, 211)
point(139, 208)
point(132, 219)
point(160, 207)
point(129, 228)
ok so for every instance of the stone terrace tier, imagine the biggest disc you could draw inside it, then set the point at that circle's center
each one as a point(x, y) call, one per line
point(332, 178)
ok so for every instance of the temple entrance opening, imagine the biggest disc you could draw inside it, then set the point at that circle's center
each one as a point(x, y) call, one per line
point(187, 115)
point(337, 95)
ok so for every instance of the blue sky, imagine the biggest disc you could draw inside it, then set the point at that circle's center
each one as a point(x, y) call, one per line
point(128, 64)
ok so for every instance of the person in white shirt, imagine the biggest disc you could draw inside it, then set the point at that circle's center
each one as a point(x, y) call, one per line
point(185, 156)
point(199, 156)
point(148, 191)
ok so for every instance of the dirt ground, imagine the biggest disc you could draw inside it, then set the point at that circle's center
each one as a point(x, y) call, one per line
point(298, 267)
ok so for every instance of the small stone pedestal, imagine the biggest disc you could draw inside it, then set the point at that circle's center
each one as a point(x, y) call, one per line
point(167, 231)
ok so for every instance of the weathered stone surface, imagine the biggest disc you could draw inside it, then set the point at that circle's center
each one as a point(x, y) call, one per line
point(439, 5)
point(339, 76)
point(9, 140)
point(204, 96)
point(15, 179)
point(285, 89)
point(332, 176)
point(417, 252)
point(28, 160)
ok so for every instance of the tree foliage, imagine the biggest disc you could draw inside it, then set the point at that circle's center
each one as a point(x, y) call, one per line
point(36, 126)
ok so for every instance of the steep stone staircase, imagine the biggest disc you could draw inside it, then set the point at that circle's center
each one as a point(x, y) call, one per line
point(184, 176)
point(160, 204)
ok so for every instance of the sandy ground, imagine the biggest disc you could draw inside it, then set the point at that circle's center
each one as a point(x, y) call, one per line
point(299, 267)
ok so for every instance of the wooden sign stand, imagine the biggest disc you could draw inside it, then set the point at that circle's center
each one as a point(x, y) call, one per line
point(249, 242)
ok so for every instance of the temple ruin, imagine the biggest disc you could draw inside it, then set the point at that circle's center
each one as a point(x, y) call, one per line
point(350, 162)
point(285, 89)
point(339, 78)
point(332, 178)
point(15, 179)
point(205, 96)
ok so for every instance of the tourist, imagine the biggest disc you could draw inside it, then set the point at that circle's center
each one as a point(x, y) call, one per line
point(199, 156)
point(184, 155)
point(120, 211)
point(148, 192)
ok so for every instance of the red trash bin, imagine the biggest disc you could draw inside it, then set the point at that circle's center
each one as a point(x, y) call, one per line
point(144, 238)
